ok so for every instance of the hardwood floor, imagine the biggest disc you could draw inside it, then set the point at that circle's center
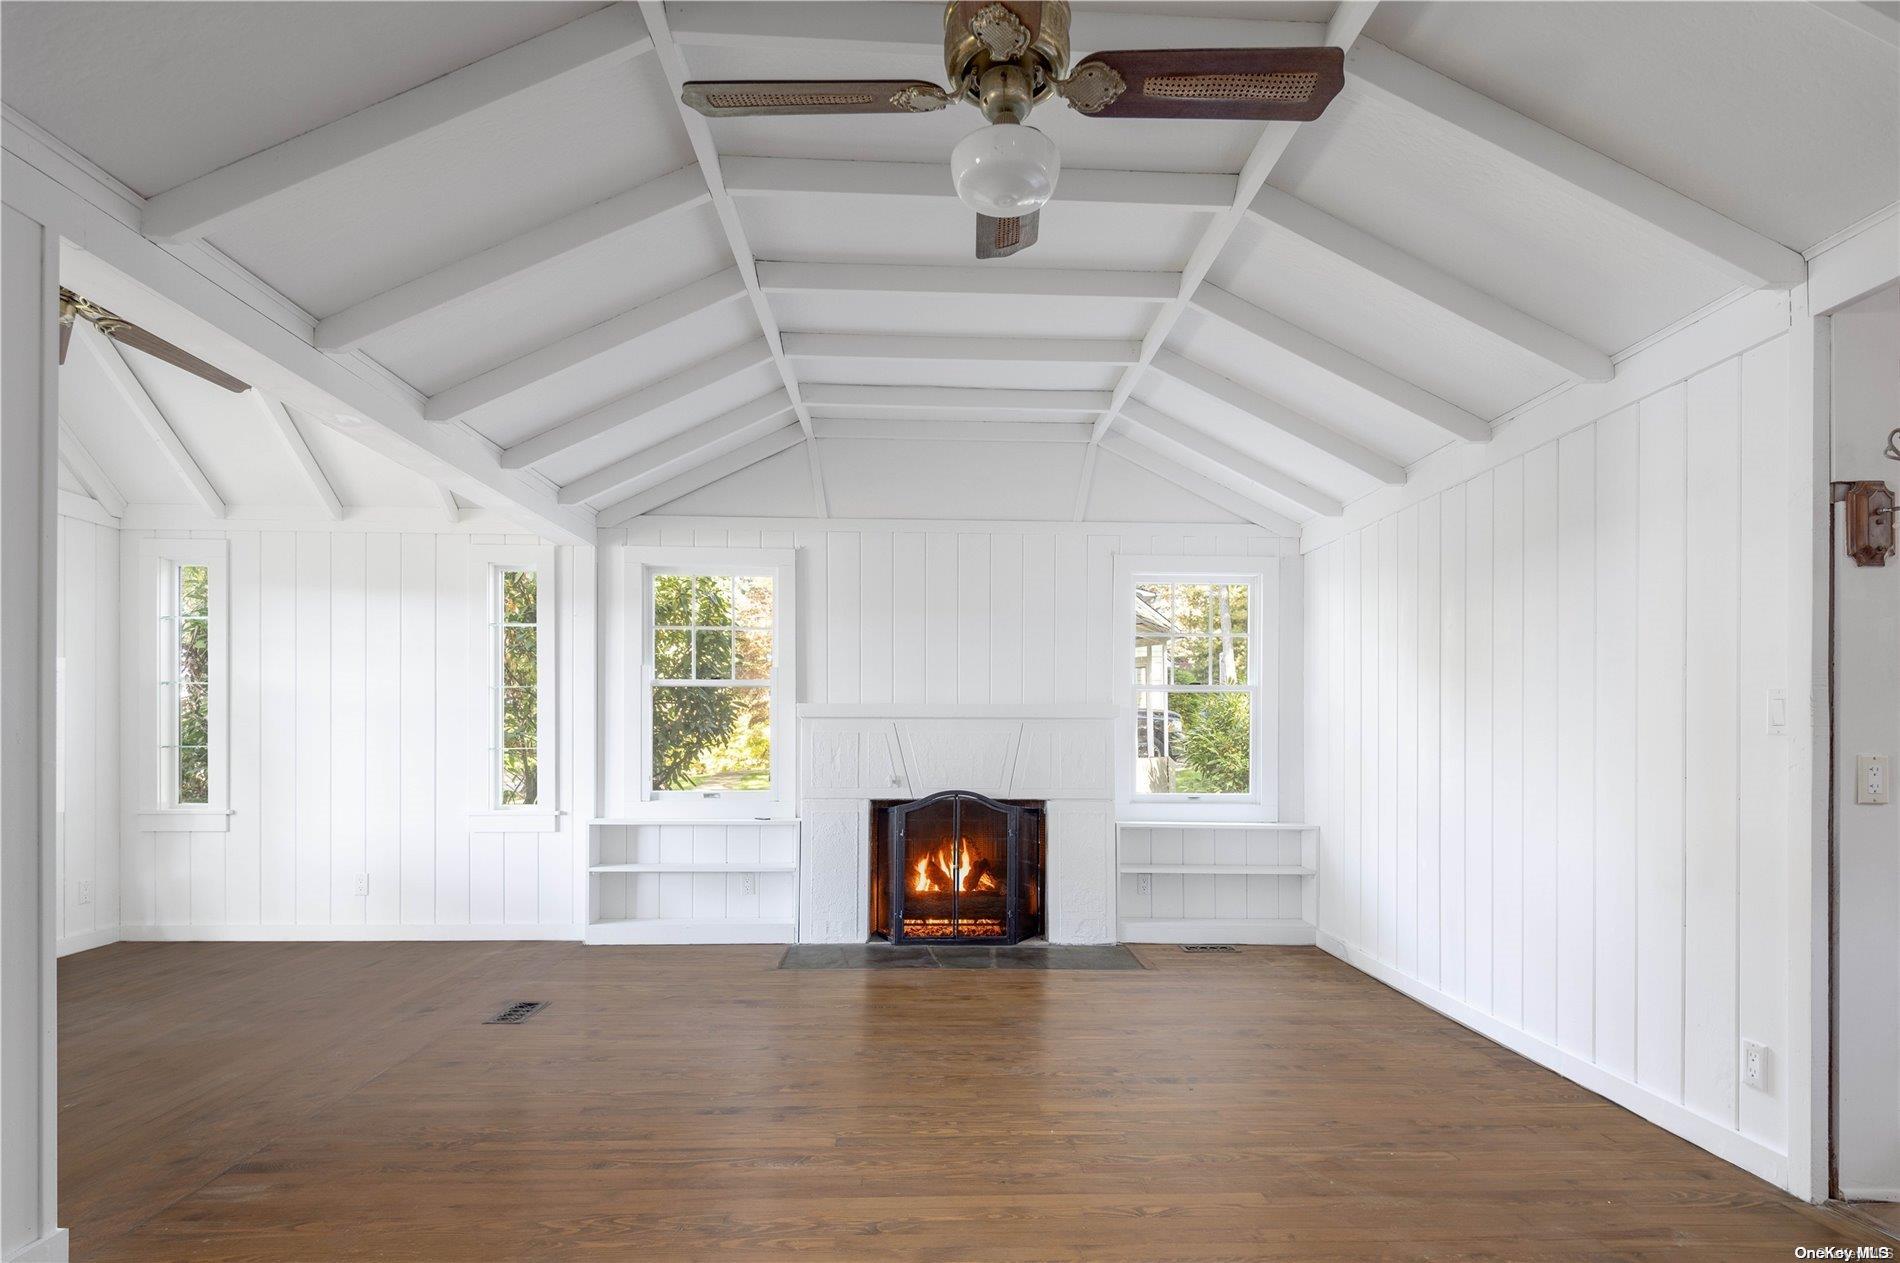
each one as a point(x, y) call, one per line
point(344, 1101)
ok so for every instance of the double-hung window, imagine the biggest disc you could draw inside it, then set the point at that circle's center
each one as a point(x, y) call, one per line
point(516, 649)
point(716, 675)
point(188, 755)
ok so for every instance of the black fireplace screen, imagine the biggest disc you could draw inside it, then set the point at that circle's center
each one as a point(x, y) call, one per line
point(956, 867)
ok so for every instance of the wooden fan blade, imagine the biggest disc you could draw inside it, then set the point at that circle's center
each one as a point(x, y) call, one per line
point(1295, 84)
point(737, 99)
point(156, 347)
point(65, 336)
point(1000, 238)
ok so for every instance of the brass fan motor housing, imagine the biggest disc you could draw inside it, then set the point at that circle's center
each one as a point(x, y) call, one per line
point(1004, 57)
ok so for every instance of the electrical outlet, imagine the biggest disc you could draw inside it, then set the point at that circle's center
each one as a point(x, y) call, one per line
point(748, 883)
point(362, 883)
point(1755, 1065)
point(1144, 883)
point(85, 892)
point(1871, 774)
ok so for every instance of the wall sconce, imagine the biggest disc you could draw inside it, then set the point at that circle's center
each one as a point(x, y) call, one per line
point(1869, 521)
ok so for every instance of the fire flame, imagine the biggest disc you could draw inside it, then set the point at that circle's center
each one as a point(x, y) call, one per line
point(950, 868)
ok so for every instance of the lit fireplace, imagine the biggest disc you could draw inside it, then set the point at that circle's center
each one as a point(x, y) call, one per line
point(956, 867)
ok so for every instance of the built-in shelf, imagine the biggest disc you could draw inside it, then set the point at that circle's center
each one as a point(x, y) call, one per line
point(722, 822)
point(1270, 826)
point(766, 867)
point(1242, 870)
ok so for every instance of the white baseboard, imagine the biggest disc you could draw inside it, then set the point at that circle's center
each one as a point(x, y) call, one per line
point(87, 941)
point(54, 1247)
point(343, 933)
point(1745, 1152)
point(1273, 932)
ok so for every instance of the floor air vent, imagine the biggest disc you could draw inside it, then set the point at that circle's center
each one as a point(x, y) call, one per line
point(1209, 947)
point(516, 1013)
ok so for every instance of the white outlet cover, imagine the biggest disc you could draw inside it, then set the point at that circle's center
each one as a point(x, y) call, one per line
point(1755, 1064)
point(362, 883)
point(1873, 776)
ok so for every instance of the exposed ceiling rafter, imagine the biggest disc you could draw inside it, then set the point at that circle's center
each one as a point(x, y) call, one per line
point(1145, 456)
point(94, 479)
point(157, 427)
point(702, 475)
point(831, 177)
point(675, 455)
point(545, 62)
point(950, 282)
point(673, 65)
point(279, 419)
point(1235, 465)
point(636, 209)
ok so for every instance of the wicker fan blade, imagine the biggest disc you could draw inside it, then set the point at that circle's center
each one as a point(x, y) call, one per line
point(153, 345)
point(1295, 84)
point(65, 335)
point(1000, 238)
point(813, 96)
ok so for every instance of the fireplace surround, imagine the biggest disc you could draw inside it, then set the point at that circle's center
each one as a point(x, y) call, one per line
point(956, 867)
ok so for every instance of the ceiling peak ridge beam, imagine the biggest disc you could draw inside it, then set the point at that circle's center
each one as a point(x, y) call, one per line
point(92, 477)
point(1144, 456)
point(1360, 376)
point(836, 177)
point(953, 282)
point(969, 431)
point(279, 419)
point(1256, 474)
point(981, 400)
point(683, 451)
point(199, 207)
point(531, 251)
point(636, 405)
point(1718, 241)
point(706, 152)
point(1349, 19)
point(702, 475)
point(1569, 354)
point(1276, 415)
point(930, 349)
point(579, 349)
point(146, 413)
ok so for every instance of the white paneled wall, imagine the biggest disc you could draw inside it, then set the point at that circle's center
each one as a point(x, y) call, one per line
point(1538, 747)
point(88, 785)
point(354, 731)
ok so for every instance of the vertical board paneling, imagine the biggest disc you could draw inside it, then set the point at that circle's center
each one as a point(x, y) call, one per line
point(1576, 722)
point(1454, 833)
point(1039, 618)
point(1480, 528)
point(876, 645)
point(458, 686)
point(1430, 719)
point(1540, 743)
point(843, 607)
point(242, 862)
point(277, 724)
point(972, 580)
point(1405, 840)
point(382, 729)
point(908, 617)
point(418, 729)
point(1507, 743)
point(312, 721)
point(1006, 618)
point(1615, 757)
point(349, 670)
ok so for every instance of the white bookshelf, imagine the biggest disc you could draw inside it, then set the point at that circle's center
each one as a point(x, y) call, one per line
point(692, 881)
point(1216, 882)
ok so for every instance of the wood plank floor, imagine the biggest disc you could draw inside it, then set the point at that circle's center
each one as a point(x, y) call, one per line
point(344, 1101)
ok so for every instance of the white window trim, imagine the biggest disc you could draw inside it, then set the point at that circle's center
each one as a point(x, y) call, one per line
point(158, 812)
point(486, 562)
point(1263, 630)
point(782, 563)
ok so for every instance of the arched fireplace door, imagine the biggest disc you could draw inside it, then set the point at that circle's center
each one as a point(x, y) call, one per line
point(956, 867)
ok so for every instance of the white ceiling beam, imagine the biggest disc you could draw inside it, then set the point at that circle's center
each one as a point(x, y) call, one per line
point(1234, 463)
point(916, 30)
point(897, 346)
point(635, 210)
point(702, 475)
point(579, 349)
point(832, 177)
point(1718, 241)
point(1145, 457)
point(97, 483)
point(1867, 17)
point(1277, 416)
point(675, 455)
point(706, 152)
point(1341, 365)
point(950, 282)
point(959, 431)
point(279, 419)
point(1349, 18)
point(146, 413)
point(667, 393)
point(974, 399)
point(201, 206)
point(1570, 355)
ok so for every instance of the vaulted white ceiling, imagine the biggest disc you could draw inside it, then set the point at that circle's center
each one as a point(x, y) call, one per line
point(502, 212)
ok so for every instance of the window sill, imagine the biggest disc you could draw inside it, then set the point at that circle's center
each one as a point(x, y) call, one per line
point(185, 820)
point(523, 820)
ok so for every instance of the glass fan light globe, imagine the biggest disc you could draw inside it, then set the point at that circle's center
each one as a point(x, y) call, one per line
point(1005, 170)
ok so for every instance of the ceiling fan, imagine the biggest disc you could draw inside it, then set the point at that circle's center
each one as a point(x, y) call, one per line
point(1005, 58)
point(72, 307)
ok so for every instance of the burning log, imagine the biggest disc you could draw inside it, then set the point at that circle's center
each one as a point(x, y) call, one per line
point(977, 874)
point(938, 876)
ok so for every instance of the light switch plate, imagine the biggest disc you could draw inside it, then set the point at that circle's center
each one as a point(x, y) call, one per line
point(1873, 774)
point(1777, 712)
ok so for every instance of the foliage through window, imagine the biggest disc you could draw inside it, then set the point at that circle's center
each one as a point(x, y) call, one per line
point(1194, 689)
point(712, 667)
point(188, 721)
point(517, 668)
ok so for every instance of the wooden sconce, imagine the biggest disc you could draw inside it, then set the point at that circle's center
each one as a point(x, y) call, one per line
point(1869, 522)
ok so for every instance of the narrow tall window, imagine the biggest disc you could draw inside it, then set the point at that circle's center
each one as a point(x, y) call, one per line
point(516, 672)
point(187, 717)
point(713, 668)
point(1195, 693)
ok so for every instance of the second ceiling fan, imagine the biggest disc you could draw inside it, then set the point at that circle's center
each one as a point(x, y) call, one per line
point(1007, 57)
